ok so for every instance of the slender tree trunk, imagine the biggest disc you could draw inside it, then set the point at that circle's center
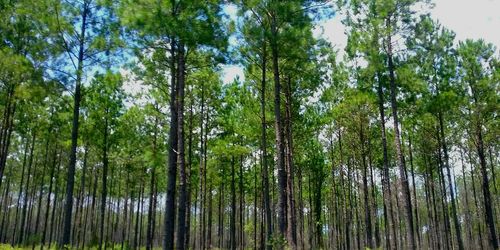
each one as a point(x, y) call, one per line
point(466, 206)
point(368, 219)
point(21, 184)
point(152, 197)
point(444, 204)
point(310, 226)
point(6, 202)
point(70, 181)
point(189, 171)
point(280, 151)
point(125, 211)
point(109, 224)
point(104, 183)
point(242, 207)
point(40, 194)
point(488, 208)
point(386, 186)
point(458, 230)
point(397, 141)
point(318, 210)
point(202, 170)
point(336, 238)
point(7, 128)
point(291, 213)
point(373, 196)
point(82, 196)
point(138, 215)
point(442, 236)
point(26, 189)
point(168, 238)
point(232, 223)
point(301, 240)
point(220, 231)
point(181, 228)
point(476, 202)
point(417, 222)
point(209, 219)
point(255, 212)
point(93, 204)
point(265, 171)
point(54, 204)
point(432, 239)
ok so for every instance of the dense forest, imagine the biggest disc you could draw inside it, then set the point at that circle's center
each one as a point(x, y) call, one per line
point(117, 130)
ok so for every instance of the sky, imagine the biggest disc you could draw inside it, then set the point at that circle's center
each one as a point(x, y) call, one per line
point(474, 19)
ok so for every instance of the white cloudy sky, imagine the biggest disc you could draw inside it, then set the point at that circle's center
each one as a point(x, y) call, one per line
point(467, 18)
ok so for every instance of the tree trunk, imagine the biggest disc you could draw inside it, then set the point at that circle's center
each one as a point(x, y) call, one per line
point(202, 171)
point(374, 197)
point(40, 194)
point(488, 208)
point(70, 181)
point(220, 231)
point(458, 229)
point(242, 207)
point(476, 202)
point(368, 219)
point(189, 171)
point(265, 171)
point(444, 204)
point(104, 183)
point(149, 234)
point(135, 245)
point(417, 223)
point(386, 186)
point(232, 223)
point(26, 189)
point(399, 153)
point(6, 129)
point(54, 204)
point(6, 202)
point(280, 151)
point(181, 233)
point(466, 206)
point(21, 184)
point(291, 213)
point(209, 219)
point(168, 239)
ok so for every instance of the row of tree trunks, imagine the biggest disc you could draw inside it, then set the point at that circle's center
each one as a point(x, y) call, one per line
point(440, 234)
point(6, 128)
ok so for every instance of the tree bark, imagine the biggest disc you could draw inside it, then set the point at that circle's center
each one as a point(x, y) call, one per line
point(263, 145)
point(458, 229)
point(397, 141)
point(26, 189)
point(232, 223)
point(291, 213)
point(168, 238)
point(280, 151)
point(70, 180)
point(488, 208)
point(181, 228)
point(368, 219)
point(152, 196)
point(21, 184)
point(412, 169)
point(386, 186)
point(104, 191)
point(7, 128)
